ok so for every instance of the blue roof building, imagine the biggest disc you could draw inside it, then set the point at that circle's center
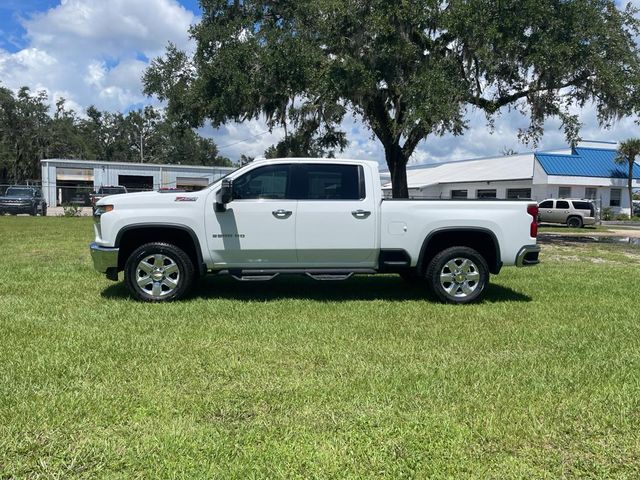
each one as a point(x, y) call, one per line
point(587, 171)
point(586, 162)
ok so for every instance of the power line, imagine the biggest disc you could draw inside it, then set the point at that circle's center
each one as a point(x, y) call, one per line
point(243, 141)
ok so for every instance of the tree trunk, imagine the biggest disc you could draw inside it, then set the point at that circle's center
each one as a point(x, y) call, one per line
point(631, 162)
point(397, 163)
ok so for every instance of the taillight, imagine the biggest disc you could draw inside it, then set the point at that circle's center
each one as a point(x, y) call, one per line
point(533, 211)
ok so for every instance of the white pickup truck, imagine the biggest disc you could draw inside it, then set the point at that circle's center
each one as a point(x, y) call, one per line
point(321, 217)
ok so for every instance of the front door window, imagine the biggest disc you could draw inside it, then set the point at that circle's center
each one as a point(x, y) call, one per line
point(257, 228)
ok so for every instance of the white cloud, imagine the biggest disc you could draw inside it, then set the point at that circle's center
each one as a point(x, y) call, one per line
point(95, 51)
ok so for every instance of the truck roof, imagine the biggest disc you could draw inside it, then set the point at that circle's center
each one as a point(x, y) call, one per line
point(372, 163)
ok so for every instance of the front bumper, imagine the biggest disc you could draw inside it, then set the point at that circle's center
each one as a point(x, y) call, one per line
point(16, 208)
point(528, 256)
point(105, 260)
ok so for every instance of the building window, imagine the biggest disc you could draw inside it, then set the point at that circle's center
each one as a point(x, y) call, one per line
point(591, 193)
point(515, 193)
point(616, 194)
point(486, 193)
point(564, 192)
point(191, 184)
point(458, 194)
point(136, 183)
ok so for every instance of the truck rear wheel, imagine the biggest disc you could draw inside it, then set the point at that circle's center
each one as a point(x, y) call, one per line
point(158, 272)
point(574, 222)
point(458, 275)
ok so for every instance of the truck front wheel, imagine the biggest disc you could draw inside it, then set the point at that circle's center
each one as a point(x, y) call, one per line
point(458, 275)
point(158, 272)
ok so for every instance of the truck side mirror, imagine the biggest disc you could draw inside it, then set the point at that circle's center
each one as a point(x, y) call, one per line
point(224, 195)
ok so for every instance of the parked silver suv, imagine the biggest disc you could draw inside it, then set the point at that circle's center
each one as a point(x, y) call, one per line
point(573, 212)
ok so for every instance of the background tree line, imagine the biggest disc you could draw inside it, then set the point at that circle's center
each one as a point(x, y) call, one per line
point(31, 129)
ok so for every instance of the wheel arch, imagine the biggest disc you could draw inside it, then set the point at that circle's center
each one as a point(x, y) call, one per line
point(132, 236)
point(483, 240)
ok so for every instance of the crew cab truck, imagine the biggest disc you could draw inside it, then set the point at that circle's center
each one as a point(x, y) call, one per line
point(325, 218)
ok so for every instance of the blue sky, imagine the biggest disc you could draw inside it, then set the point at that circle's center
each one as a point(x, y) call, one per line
point(94, 52)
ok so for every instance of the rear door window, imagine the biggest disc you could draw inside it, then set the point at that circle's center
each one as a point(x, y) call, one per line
point(582, 205)
point(332, 182)
point(562, 204)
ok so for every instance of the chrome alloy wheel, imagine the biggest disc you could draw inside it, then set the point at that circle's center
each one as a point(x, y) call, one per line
point(459, 277)
point(157, 275)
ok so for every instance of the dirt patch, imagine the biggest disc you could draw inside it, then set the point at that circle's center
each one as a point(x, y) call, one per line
point(625, 233)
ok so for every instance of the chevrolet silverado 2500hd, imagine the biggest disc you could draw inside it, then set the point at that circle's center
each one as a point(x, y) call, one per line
point(321, 217)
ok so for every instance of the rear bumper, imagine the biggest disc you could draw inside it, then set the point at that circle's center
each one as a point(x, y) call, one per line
point(588, 220)
point(105, 260)
point(528, 256)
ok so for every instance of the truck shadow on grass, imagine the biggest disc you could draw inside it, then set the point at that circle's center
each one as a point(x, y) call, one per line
point(384, 287)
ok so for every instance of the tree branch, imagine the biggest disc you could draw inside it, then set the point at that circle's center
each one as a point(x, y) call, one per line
point(417, 133)
point(494, 105)
point(379, 119)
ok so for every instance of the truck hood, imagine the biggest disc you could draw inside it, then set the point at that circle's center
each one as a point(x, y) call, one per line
point(150, 199)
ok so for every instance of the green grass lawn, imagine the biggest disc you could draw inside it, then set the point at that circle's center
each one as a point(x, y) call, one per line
point(299, 379)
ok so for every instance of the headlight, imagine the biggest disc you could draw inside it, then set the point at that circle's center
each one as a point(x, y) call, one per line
point(101, 210)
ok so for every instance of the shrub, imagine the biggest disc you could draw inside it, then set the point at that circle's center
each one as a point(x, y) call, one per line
point(607, 214)
point(70, 210)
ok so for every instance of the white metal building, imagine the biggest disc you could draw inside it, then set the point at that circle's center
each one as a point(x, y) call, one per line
point(71, 181)
point(587, 171)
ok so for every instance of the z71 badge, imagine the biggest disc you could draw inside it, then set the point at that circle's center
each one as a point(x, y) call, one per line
point(186, 199)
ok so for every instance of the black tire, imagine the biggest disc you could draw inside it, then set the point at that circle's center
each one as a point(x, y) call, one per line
point(44, 210)
point(159, 284)
point(466, 286)
point(574, 222)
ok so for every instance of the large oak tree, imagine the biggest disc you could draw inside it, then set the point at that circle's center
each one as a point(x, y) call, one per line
point(409, 69)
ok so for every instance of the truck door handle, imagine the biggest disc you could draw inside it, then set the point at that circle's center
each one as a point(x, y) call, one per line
point(360, 213)
point(282, 213)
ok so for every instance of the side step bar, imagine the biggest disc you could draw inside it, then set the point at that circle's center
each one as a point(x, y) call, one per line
point(329, 276)
point(315, 273)
point(254, 278)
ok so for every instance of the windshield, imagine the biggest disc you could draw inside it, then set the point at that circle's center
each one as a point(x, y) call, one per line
point(224, 176)
point(112, 190)
point(19, 192)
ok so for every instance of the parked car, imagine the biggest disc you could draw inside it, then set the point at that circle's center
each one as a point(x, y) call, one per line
point(23, 199)
point(105, 191)
point(573, 212)
point(320, 217)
